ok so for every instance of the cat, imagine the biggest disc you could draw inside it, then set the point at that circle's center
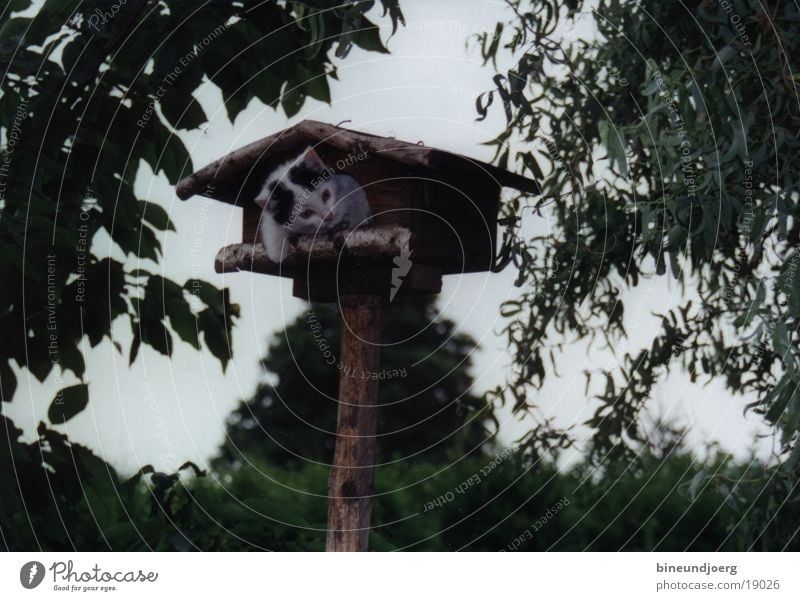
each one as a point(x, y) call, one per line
point(305, 196)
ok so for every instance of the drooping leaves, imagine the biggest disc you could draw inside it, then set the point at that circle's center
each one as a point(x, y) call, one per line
point(665, 158)
point(67, 403)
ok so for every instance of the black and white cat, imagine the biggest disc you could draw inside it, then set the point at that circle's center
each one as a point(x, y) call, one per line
point(305, 196)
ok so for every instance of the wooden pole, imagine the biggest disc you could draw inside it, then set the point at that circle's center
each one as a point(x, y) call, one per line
point(350, 484)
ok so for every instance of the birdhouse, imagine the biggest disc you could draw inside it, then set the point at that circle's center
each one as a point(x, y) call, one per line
point(433, 213)
point(434, 210)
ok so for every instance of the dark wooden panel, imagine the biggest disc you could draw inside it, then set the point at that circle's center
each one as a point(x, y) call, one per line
point(327, 283)
point(251, 218)
point(461, 227)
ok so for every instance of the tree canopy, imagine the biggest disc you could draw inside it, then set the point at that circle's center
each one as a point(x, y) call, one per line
point(91, 92)
point(427, 406)
point(667, 147)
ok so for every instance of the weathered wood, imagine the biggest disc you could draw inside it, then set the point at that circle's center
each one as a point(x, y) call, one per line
point(350, 485)
point(360, 262)
point(376, 243)
point(225, 178)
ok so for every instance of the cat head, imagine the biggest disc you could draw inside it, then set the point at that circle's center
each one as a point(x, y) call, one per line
point(299, 194)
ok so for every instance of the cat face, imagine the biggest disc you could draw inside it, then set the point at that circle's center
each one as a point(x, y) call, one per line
point(315, 210)
point(299, 195)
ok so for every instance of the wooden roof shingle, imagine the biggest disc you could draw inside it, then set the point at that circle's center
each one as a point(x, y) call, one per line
point(234, 168)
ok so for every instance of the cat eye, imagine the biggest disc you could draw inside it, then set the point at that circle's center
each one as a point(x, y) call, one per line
point(326, 194)
point(306, 214)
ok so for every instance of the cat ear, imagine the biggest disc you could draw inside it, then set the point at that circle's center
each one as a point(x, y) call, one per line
point(311, 159)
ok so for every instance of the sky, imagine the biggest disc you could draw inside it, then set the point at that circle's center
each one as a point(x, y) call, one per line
point(165, 412)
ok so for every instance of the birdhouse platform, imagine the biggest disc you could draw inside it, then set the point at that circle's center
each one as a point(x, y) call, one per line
point(437, 208)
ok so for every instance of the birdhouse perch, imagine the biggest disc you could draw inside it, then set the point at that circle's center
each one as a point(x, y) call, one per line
point(434, 213)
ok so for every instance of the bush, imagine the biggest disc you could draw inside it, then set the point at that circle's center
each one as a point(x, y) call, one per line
point(60, 496)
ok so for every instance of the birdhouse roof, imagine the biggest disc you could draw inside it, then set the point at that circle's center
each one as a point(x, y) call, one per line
point(228, 179)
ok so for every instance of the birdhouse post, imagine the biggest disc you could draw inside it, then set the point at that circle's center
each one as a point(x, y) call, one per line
point(434, 214)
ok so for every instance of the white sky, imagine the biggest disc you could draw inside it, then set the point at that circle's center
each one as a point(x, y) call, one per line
point(164, 412)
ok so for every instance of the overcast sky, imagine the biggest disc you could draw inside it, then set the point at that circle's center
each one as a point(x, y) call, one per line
point(164, 412)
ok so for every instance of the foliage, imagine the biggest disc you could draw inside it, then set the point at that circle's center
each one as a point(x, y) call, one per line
point(50, 486)
point(67, 498)
point(426, 404)
point(89, 96)
point(666, 147)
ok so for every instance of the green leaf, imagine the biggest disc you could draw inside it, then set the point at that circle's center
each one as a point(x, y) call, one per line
point(182, 111)
point(147, 244)
point(215, 335)
point(369, 38)
point(181, 318)
point(292, 100)
point(696, 483)
point(729, 500)
point(313, 84)
point(780, 337)
point(723, 57)
point(8, 382)
point(229, 79)
point(612, 140)
point(135, 344)
point(51, 17)
point(71, 358)
point(155, 216)
point(396, 15)
point(164, 151)
point(532, 165)
point(483, 108)
point(18, 5)
point(651, 88)
point(11, 33)
point(156, 335)
point(235, 104)
point(67, 403)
